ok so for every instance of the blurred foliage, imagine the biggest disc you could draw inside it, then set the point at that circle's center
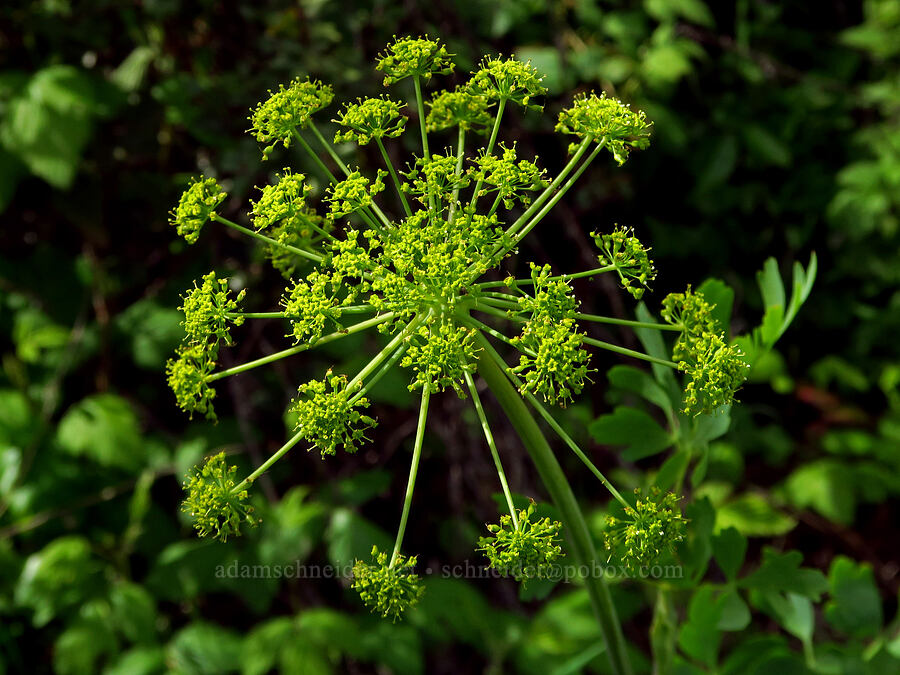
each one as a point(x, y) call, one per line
point(776, 129)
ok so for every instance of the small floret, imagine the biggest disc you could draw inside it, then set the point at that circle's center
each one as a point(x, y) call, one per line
point(353, 193)
point(329, 415)
point(629, 256)
point(276, 119)
point(647, 531)
point(311, 304)
point(440, 354)
point(419, 57)
point(510, 80)
point(388, 590)
point(206, 309)
point(188, 378)
point(370, 118)
point(458, 108)
point(511, 178)
point(608, 120)
point(198, 203)
point(217, 508)
point(527, 552)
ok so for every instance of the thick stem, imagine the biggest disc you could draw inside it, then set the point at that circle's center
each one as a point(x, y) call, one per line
point(555, 481)
point(394, 176)
point(413, 470)
point(489, 437)
point(309, 255)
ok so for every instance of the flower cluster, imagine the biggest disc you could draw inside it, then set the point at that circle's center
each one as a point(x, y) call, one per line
point(414, 57)
point(511, 179)
point(371, 118)
point(311, 304)
point(607, 120)
point(328, 414)
point(217, 507)
point(508, 80)
point(715, 369)
point(418, 275)
point(440, 354)
point(208, 311)
point(353, 193)
point(554, 363)
point(388, 589)
point(460, 108)
point(277, 119)
point(648, 530)
point(197, 205)
point(628, 255)
point(525, 549)
point(434, 179)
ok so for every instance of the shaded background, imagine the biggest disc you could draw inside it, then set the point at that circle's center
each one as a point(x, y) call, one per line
point(777, 132)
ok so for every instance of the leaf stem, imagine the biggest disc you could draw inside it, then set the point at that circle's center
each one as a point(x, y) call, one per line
point(626, 322)
point(296, 438)
point(460, 156)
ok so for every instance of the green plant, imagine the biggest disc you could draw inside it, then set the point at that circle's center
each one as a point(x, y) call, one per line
point(428, 276)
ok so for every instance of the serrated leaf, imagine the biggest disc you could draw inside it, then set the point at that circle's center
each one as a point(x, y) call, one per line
point(104, 428)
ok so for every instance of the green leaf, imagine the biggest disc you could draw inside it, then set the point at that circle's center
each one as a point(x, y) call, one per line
point(793, 612)
point(855, 604)
point(700, 637)
point(351, 537)
point(782, 572)
point(203, 649)
point(61, 575)
point(771, 285)
point(263, 645)
point(152, 332)
point(718, 293)
point(139, 661)
point(134, 612)
point(826, 486)
point(641, 383)
point(729, 549)
point(671, 469)
point(766, 146)
point(633, 428)
point(104, 428)
point(130, 73)
point(83, 644)
point(734, 615)
point(753, 516)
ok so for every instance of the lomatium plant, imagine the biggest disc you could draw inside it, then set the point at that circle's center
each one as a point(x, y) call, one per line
point(419, 252)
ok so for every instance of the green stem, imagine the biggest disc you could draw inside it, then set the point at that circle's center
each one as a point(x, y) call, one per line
point(489, 437)
point(561, 492)
point(490, 148)
point(396, 179)
point(460, 156)
point(315, 158)
point(426, 155)
point(325, 339)
point(329, 148)
point(387, 350)
point(550, 189)
point(351, 309)
point(296, 438)
point(555, 199)
point(561, 277)
point(495, 205)
point(413, 470)
point(626, 322)
point(553, 424)
point(629, 352)
point(309, 255)
point(382, 371)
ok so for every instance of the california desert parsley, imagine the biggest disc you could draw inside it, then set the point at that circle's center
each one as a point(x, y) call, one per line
point(418, 257)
